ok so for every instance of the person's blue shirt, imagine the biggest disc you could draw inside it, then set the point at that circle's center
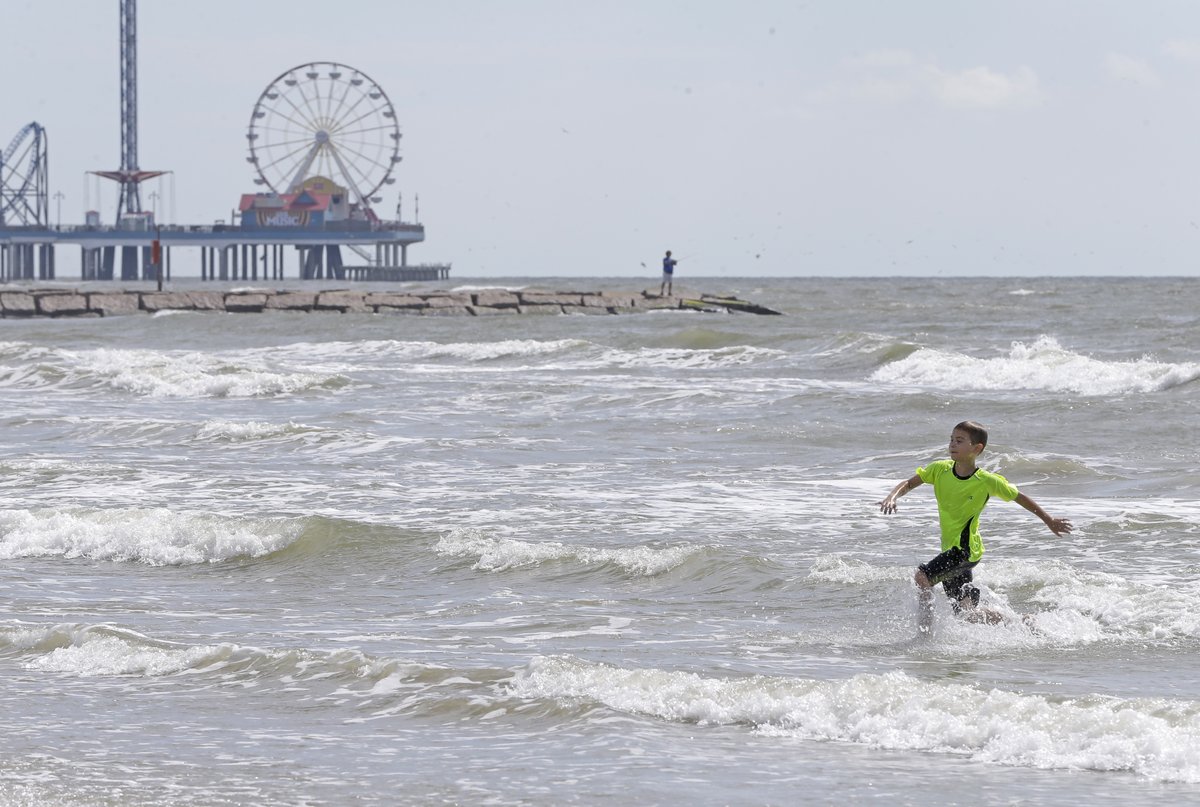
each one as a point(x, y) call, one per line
point(668, 265)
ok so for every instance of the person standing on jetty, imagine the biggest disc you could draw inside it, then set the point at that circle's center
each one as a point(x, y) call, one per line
point(668, 273)
point(962, 490)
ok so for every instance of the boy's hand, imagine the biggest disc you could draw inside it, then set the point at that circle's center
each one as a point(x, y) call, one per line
point(888, 505)
point(1059, 526)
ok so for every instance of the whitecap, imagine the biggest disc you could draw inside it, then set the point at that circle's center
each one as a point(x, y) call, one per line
point(1043, 365)
point(1156, 738)
point(248, 431)
point(502, 554)
point(154, 536)
point(111, 655)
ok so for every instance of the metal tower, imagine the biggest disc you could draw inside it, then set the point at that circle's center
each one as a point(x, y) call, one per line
point(129, 175)
point(131, 197)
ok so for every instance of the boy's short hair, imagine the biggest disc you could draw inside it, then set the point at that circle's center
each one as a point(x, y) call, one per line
point(975, 431)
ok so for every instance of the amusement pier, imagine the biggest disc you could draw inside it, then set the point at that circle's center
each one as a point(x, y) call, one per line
point(323, 143)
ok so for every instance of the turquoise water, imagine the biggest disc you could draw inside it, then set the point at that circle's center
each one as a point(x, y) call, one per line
point(330, 559)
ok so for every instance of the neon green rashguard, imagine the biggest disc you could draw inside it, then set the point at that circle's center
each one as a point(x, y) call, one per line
point(960, 501)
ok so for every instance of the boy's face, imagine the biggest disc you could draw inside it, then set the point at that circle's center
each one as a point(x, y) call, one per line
point(961, 447)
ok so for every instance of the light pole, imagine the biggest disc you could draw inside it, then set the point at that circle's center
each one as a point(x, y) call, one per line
point(58, 197)
point(154, 205)
point(156, 254)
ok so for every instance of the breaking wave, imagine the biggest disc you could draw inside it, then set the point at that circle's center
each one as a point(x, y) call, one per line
point(501, 554)
point(1155, 737)
point(1044, 365)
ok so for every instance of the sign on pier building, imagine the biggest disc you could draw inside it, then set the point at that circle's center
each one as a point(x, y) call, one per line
point(316, 202)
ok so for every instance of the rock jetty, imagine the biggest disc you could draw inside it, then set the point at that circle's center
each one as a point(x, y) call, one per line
point(60, 302)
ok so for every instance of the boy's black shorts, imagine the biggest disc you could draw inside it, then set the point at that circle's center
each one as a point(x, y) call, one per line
point(953, 570)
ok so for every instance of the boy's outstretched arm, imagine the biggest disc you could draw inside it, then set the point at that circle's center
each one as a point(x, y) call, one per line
point(888, 505)
point(1058, 526)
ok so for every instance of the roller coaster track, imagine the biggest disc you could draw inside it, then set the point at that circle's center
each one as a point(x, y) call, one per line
point(24, 170)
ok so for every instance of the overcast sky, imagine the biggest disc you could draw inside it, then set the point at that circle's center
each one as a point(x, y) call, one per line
point(551, 137)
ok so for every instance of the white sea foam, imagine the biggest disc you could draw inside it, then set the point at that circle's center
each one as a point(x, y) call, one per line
point(731, 356)
point(255, 434)
point(108, 650)
point(99, 650)
point(501, 554)
point(110, 655)
point(165, 374)
point(570, 353)
point(855, 343)
point(1157, 738)
point(843, 569)
point(303, 366)
point(158, 537)
point(248, 431)
point(171, 374)
point(1120, 609)
point(1044, 365)
point(1181, 514)
point(389, 349)
point(1066, 605)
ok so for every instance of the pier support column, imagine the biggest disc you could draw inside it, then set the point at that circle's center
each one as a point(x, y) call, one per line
point(333, 263)
point(91, 262)
point(129, 263)
point(308, 262)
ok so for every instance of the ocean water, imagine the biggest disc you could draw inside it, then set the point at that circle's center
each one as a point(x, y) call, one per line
point(322, 559)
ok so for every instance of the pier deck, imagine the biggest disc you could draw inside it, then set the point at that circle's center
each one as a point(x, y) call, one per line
point(226, 252)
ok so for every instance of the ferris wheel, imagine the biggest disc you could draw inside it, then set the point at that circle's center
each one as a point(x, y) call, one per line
point(324, 119)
